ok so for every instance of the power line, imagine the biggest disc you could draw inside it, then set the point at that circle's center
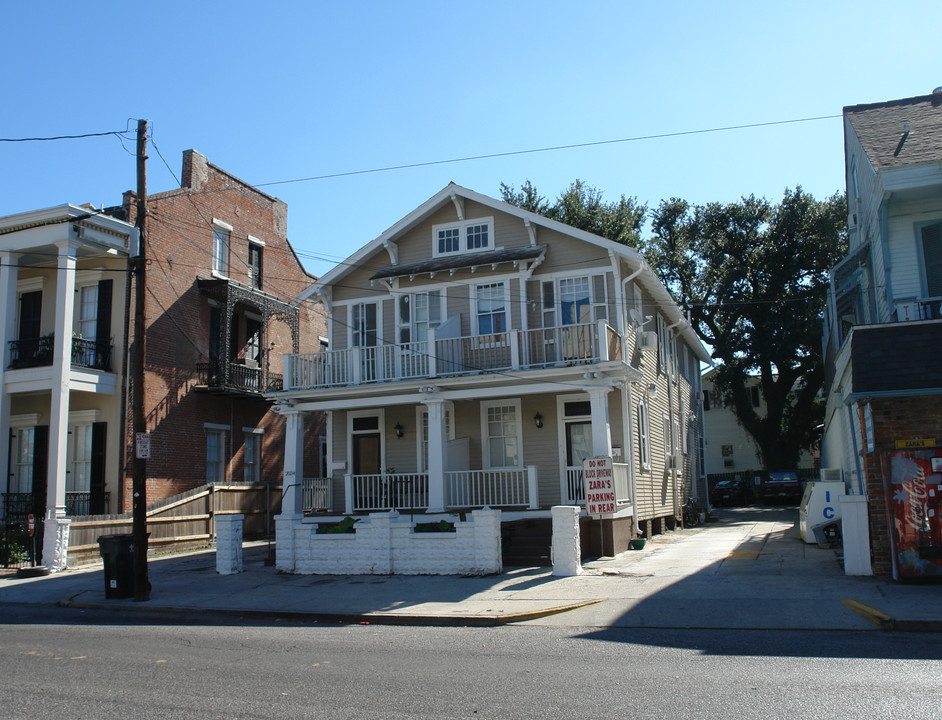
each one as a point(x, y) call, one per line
point(116, 133)
point(511, 153)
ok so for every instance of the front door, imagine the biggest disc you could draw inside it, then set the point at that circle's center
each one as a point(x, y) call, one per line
point(578, 448)
point(366, 454)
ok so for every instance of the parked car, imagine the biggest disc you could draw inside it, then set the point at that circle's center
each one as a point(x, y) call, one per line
point(783, 487)
point(727, 492)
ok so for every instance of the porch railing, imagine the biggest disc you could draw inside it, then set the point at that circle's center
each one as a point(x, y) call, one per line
point(39, 352)
point(477, 488)
point(513, 350)
point(396, 491)
point(317, 494)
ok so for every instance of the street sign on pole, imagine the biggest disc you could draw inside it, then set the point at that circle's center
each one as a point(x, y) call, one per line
point(598, 477)
point(142, 445)
point(31, 524)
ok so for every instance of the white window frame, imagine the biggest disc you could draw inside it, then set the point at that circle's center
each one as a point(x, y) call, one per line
point(464, 228)
point(380, 414)
point(411, 326)
point(644, 436)
point(921, 255)
point(222, 242)
point(24, 427)
point(253, 436)
point(668, 443)
point(475, 289)
point(250, 269)
point(486, 405)
point(354, 325)
point(219, 432)
point(552, 307)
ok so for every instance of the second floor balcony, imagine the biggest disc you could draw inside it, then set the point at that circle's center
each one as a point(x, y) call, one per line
point(236, 377)
point(514, 350)
point(40, 352)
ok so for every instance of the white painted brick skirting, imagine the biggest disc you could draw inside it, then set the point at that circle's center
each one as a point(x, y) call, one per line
point(386, 544)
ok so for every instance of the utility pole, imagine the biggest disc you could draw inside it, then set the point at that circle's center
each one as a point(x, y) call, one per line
point(139, 463)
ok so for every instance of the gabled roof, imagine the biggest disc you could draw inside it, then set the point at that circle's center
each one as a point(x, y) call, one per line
point(646, 276)
point(881, 129)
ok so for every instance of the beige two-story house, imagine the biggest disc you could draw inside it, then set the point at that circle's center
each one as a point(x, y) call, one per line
point(478, 353)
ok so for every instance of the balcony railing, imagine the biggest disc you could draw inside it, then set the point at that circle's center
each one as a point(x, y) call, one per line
point(17, 506)
point(238, 377)
point(438, 357)
point(38, 352)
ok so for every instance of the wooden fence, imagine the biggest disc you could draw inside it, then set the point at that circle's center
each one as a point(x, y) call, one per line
point(184, 521)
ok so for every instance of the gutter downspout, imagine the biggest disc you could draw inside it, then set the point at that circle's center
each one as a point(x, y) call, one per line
point(853, 436)
point(887, 264)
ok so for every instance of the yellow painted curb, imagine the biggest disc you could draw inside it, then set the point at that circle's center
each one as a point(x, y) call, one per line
point(875, 616)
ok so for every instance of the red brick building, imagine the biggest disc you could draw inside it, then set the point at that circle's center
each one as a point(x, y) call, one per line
point(221, 280)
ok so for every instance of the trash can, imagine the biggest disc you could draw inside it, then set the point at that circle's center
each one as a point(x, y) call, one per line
point(117, 554)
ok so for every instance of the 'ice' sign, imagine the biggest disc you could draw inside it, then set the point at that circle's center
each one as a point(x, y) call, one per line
point(599, 480)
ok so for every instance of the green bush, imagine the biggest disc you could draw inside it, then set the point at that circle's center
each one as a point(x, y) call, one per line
point(440, 526)
point(344, 526)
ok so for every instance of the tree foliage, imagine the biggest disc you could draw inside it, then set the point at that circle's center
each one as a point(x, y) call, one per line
point(581, 206)
point(753, 277)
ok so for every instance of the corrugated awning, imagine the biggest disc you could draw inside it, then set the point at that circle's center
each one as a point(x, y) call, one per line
point(442, 264)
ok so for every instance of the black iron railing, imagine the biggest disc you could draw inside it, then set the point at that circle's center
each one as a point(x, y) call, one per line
point(18, 506)
point(38, 352)
point(238, 377)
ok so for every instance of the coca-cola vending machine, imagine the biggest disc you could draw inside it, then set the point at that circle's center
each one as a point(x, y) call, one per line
point(912, 481)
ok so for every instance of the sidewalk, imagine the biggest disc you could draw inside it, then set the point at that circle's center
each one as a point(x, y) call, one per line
point(748, 570)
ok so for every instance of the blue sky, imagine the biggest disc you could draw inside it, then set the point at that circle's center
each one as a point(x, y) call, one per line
point(282, 91)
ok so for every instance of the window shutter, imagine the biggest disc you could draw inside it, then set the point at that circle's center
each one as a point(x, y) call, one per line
point(932, 255)
point(97, 471)
point(40, 461)
point(103, 321)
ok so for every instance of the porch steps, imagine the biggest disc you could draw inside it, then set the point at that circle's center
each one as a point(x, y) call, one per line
point(527, 542)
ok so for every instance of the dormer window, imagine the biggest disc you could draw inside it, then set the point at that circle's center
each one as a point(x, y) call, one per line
point(466, 236)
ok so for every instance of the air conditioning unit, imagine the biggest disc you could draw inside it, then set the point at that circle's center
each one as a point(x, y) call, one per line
point(832, 475)
point(647, 340)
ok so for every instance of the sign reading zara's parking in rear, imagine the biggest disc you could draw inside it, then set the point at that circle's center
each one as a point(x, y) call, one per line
point(599, 481)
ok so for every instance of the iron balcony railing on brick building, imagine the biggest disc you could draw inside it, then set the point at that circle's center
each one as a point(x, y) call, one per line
point(18, 506)
point(236, 377)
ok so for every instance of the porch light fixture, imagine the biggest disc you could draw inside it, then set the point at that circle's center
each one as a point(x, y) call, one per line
point(398, 430)
point(538, 419)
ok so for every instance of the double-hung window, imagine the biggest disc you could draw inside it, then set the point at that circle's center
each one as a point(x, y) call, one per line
point(577, 300)
point(215, 453)
point(255, 263)
point(644, 436)
point(253, 454)
point(466, 236)
point(500, 428)
point(221, 234)
point(491, 309)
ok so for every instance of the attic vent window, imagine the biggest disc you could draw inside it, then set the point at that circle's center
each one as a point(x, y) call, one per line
point(467, 236)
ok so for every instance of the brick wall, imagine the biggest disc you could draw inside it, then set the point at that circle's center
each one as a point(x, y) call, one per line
point(893, 418)
point(179, 243)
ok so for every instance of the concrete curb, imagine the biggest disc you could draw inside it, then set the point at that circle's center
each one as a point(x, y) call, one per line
point(479, 620)
point(890, 623)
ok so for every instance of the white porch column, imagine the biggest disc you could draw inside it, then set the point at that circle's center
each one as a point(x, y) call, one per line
point(436, 455)
point(292, 496)
point(8, 275)
point(601, 428)
point(56, 529)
